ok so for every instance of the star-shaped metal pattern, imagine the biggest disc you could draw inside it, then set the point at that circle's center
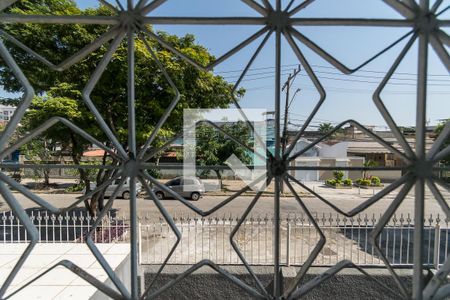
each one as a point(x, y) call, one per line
point(130, 22)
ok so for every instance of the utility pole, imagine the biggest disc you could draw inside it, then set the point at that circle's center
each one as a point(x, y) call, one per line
point(287, 86)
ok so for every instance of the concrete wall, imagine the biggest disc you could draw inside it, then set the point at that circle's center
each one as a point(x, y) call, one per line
point(123, 273)
point(207, 284)
point(338, 150)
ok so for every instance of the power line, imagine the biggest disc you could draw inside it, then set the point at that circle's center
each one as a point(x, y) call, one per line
point(328, 67)
point(350, 90)
point(230, 77)
point(347, 80)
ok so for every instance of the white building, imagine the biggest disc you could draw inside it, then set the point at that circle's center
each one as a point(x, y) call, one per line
point(6, 112)
point(323, 155)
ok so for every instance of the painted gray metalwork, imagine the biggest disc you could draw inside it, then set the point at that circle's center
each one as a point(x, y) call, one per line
point(130, 20)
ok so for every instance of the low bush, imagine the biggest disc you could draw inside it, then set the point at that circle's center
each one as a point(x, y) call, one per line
point(376, 181)
point(363, 181)
point(348, 182)
point(338, 175)
point(331, 182)
point(75, 188)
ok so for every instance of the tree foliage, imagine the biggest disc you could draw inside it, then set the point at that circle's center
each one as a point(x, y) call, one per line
point(438, 131)
point(60, 93)
point(213, 147)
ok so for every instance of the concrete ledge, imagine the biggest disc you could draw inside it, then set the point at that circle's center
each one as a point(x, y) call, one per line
point(205, 283)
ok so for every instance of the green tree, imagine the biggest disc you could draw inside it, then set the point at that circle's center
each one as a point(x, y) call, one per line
point(368, 164)
point(43, 108)
point(153, 93)
point(325, 128)
point(213, 147)
point(39, 151)
point(438, 131)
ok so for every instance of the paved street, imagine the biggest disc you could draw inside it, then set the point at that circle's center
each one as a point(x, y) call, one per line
point(345, 199)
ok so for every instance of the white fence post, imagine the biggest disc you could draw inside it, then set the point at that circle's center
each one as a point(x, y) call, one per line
point(288, 242)
point(437, 244)
point(139, 243)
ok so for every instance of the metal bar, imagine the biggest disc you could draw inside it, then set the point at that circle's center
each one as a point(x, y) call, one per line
point(49, 124)
point(277, 280)
point(168, 218)
point(418, 280)
point(119, 4)
point(333, 61)
point(300, 7)
point(267, 4)
point(438, 195)
point(310, 285)
point(313, 254)
point(256, 6)
point(401, 8)
point(440, 50)
point(441, 155)
point(171, 106)
point(211, 65)
point(132, 148)
point(216, 268)
point(101, 67)
point(382, 108)
point(131, 101)
point(193, 207)
point(375, 198)
point(436, 281)
point(108, 291)
point(443, 37)
point(152, 6)
point(29, 226)
point(94, 250)
point(360, 127)
point(236, 247)
point(55, 19)
point(292, 21)
point(26, 98)
point(350, 168)
point(6, 3)
point(441, 139)
point(436, 5)
point(317, 85)
point(109, 5)
point(67, 63)
point(237, 83)
point(56, 166)
point(374, 235)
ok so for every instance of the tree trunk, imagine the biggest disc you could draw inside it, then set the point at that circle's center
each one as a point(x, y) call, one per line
point(46, 177)
point(84, 177)
point(219, 176)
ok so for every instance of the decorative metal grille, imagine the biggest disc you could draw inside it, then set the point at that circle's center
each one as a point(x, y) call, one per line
point(426, 27)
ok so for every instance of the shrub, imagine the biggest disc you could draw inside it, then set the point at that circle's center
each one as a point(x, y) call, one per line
point(375, 180)
point(348, 181)
point(155, 173)
point(331, 182)
point(75, 188)
point(363, 181)
point(338, 175)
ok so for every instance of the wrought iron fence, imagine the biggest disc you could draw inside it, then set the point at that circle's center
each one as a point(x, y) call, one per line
point(348, 238)
point(209, 238)
point(426, 24)
point(70, 227)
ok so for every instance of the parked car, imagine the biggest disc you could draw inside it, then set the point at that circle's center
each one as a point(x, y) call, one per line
point(124, 191)
point(187, 187)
